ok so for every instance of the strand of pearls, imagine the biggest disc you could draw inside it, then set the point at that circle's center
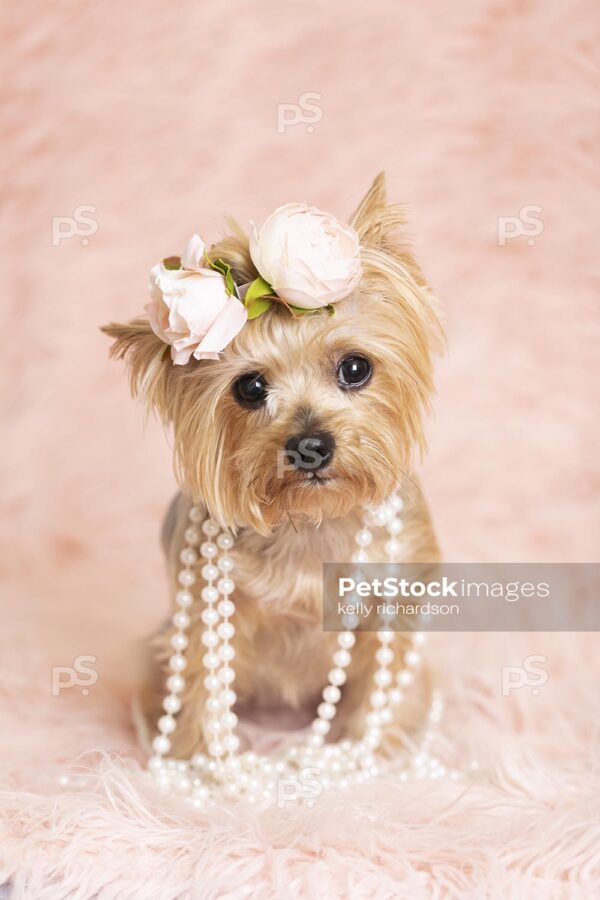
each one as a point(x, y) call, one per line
point(248, 774)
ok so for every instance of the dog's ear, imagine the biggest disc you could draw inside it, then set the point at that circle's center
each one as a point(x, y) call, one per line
point(374, 201)
point(148, 359)
point(374, 220)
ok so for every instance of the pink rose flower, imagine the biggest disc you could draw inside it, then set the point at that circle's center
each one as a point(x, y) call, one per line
point(191, 309)
point(308, 257)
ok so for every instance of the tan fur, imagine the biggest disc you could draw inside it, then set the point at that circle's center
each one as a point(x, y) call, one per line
point(226, 460)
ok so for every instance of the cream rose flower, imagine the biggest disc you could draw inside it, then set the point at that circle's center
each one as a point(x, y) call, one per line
point(309, 258)
point(191, 309)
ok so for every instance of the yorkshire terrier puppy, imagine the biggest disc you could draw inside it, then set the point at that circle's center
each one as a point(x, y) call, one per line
point(343, 393)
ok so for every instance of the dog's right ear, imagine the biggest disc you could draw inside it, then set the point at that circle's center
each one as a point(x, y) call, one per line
point(375, 220)
point(148, 359)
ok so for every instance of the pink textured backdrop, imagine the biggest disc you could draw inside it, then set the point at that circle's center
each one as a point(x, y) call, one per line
point(164, 118)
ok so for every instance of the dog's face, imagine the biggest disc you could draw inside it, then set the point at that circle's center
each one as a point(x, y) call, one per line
point(301, 419)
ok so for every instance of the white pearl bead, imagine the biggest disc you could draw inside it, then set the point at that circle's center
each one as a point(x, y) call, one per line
point(215, 748)
point(199, 760)
point(161, 744)
point(315, 740)
point(210, 572)
point(320, 726)
point(226, 564)
point(212, 683)
point(226, 652)
point(412, 658)
point(210, 528)
point(383, 678)
point(363, 537)
point(373, 738)
point(188, 556)
point(227, 697)
point(229, 720)
point(175, 683)
point(384, 656)
point(342, 658)
point(171, 704)
point(405, 678)
point(346, 640)
point(177, 662)
point(226, 608)
point(395, 697)
point(195, 514)
point(184, 598)
point(226, 675)
point(392, 548)
point(192, 535)
point(231, 743)
point(394, 527)
point(326, 710)
point(385, 637)
point(397, 503)
point(419, 638)
point(226, 585)
point(186, 577)
point(386, 716)
point(360, 557)
point(225, 541)
point(213, 726)
point(179, 641)
point(209, 594)
point(337, 676)
point(209, 550)
point(226, 631)
point(210, 639)
point(211, 660)
point(213, 704)
point(167, 724)
point(331, 694)
point(210, 616)
point(374, 718)
point(181, 619)
point(378, 699)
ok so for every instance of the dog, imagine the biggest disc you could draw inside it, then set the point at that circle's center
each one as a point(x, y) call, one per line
point(343, 397)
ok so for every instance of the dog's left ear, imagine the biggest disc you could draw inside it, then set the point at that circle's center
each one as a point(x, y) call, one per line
point(150, 368)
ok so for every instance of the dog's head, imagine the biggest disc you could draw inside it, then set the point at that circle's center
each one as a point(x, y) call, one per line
point(304, 418)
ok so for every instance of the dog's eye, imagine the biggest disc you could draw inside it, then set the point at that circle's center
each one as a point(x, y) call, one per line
point(250, 390)
point(354, 372)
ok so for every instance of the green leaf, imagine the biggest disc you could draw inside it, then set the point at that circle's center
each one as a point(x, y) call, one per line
point(258, 288)
point(298, 311)
point(219, 265)
point(230, 283)
point(172, 263)
point(260, 305)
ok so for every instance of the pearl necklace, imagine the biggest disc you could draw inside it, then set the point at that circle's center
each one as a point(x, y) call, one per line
point(222, 770)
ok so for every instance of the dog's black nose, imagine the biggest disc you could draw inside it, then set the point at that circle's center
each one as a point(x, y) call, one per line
point(310, 452)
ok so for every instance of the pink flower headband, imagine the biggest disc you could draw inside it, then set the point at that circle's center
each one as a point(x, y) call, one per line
point(306, 260)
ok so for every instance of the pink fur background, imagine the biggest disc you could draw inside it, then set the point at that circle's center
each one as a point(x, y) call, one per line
point(164, 117)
